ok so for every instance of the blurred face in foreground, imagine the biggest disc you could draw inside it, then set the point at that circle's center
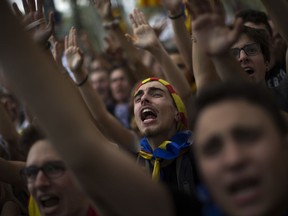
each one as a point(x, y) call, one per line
point(54, 189)
point(242, 158)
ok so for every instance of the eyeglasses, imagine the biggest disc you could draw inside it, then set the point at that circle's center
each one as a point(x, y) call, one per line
point(249, 49)
point(51, 170)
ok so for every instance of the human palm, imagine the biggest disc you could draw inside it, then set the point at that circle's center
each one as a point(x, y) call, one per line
point(43, 30)
point(209, 28)
point(74, 58)
point(144, 36)
point(74, 55)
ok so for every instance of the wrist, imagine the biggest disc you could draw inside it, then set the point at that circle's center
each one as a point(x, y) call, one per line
point(176, 14)
point(80, 80)
point(154, 48)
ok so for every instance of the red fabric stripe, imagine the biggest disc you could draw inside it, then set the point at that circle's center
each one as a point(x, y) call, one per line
point(170, 89)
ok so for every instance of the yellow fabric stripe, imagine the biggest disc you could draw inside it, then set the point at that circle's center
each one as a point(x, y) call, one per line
point(156, 171)
point(33, 209)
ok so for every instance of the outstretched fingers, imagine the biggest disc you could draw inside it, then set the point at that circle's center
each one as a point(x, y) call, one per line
point(142, 18)
point(25, 6)
point(40, 8)
point(218, 8)
point(236, 31)
point(74, 37)
point(133, 21)
point(31, 5)
point(51, 22)
point(16, 10)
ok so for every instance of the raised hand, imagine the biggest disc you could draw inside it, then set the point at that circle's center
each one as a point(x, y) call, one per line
point(103, 8)
point(209, 29)
point(72, 52)
point(57, 50)
point(144, 36)
point(34, 20)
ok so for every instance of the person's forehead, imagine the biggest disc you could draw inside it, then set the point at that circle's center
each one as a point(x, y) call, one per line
point(153, 84)
point(117, 73)
point(242, 41)
point(42, 152)
point(99, 75)
point(224, 116)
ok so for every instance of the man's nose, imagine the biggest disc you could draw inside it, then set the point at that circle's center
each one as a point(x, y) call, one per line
point(242, 56)
point(234, 157)
point(41, 180)
point(145, 99)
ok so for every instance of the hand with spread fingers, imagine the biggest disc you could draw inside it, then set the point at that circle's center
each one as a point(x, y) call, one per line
point(209, 29)
point(34, 20)
point(103, 8)
point(73, 53)
point(144, 36)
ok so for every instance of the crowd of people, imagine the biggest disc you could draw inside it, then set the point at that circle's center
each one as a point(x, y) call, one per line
point(143, 129)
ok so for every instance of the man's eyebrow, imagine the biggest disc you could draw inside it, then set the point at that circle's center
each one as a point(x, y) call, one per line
point(139, 92)
point(152, 89)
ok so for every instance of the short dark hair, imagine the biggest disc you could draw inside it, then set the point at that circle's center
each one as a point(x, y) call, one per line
point(29, 137)
point(255, 16)
point(250, 92)
point(259, 36)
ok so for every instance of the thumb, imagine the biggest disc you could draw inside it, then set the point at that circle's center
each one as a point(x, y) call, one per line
point(130, 38)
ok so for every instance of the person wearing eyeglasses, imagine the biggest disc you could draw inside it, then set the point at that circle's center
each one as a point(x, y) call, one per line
point(52, 186)
point(240, 53)
point(252, 51)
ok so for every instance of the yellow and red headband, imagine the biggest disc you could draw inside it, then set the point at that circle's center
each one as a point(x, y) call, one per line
point(176, 98)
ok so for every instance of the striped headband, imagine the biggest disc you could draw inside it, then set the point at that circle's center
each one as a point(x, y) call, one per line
point(176, 99)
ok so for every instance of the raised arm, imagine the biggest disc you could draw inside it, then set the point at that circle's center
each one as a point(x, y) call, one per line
point(144, 37)
point(10, 173)
point(107, 123)
point(182, 37)
point(102, 170)
point(203, 68)
point(9, 134)
point(277, 10)
point(111, 25)
point(215, 38)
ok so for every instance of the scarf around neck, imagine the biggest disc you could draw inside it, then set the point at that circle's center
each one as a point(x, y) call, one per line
point(167, 150)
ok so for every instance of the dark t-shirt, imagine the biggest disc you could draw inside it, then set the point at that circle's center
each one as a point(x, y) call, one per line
point(276, 74)
point(281, 94)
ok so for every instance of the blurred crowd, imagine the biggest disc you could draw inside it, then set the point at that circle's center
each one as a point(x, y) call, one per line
point(196, 126)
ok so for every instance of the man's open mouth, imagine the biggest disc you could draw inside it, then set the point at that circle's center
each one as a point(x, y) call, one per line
point(249, 70)
point(244, 191)
point(148, 114)
point(48, 201)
